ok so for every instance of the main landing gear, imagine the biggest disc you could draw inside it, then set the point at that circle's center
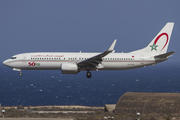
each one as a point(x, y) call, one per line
point(88, 74)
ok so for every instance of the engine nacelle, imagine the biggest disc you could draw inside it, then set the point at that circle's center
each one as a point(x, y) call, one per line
point(69, 68)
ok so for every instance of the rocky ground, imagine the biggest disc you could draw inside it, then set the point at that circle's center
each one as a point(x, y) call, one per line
point(77, 113)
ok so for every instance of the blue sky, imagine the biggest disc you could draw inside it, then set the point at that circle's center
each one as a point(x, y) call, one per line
point(84, 25)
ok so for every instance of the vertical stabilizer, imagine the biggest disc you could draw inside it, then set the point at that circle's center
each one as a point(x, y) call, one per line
point(161, 41)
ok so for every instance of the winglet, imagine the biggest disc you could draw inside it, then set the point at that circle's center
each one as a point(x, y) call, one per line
point(111, 48)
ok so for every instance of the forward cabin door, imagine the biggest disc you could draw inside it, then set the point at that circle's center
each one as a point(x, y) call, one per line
point(24, 61)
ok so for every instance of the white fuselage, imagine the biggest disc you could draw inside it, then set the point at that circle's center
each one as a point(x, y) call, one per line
point(54, 60)
point(73, 63)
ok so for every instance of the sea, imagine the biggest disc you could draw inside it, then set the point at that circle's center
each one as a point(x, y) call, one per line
point(51, 87)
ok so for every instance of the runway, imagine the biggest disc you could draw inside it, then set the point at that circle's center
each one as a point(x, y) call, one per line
point(37, 119)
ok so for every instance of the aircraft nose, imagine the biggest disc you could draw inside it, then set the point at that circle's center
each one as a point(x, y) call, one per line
point(5, 63)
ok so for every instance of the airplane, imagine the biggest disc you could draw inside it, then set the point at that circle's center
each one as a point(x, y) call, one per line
point(74, 62)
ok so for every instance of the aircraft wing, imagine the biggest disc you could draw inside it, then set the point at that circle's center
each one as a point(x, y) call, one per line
point(166, 55)
point(95, 60)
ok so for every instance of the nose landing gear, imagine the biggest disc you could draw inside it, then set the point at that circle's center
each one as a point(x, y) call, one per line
point(20, 74)
point(88, 74)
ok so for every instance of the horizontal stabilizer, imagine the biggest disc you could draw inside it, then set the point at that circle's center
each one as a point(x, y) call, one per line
point(166, 55)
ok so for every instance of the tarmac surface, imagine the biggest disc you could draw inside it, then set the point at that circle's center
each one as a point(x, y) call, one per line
point(37, 119)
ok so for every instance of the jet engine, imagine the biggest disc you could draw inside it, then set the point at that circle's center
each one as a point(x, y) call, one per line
point(69, 68)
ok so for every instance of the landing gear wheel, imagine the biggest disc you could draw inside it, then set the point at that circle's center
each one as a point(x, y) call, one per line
point(88, 74)
point(20, 74)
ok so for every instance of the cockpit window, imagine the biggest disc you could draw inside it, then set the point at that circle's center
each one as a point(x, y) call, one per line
point(13, 57)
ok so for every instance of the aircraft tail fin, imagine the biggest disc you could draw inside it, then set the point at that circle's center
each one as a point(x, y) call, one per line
point(160, 42)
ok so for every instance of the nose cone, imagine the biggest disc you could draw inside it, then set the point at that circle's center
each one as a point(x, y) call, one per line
point(5, 63)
